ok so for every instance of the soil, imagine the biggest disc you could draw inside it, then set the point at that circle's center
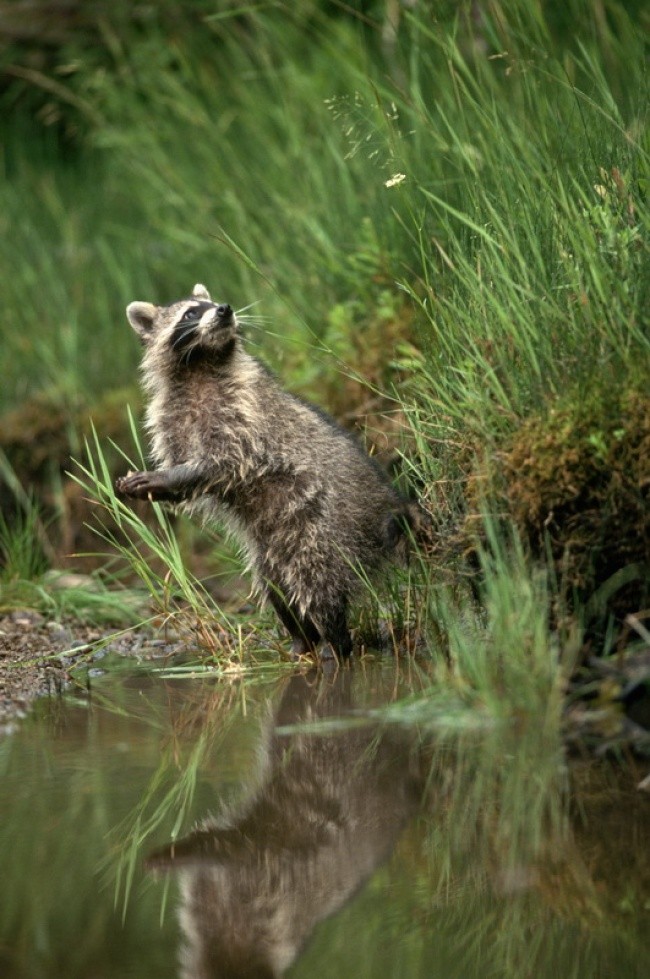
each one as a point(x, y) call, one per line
point(37, 655)
point(30, 661)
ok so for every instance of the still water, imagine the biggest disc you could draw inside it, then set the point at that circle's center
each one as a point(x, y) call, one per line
point(200, 827)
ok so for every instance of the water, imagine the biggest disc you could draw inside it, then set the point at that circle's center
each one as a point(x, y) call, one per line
point(324, 848)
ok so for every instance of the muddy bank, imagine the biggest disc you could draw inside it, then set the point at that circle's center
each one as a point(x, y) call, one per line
point(30, 661)
point(40, 656)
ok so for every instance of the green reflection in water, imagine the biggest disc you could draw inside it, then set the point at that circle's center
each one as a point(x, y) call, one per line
point(359, 848)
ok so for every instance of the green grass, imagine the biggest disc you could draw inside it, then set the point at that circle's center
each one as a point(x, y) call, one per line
point(26, 580)
point(151, 550)
point(263, 172)
point(268, 180)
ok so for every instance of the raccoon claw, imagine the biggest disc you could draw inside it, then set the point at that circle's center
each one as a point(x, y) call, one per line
point(138, 485)
point(328, 654)
point(299, 648)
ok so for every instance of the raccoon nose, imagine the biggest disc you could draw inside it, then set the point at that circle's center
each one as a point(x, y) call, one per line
point(224, 311)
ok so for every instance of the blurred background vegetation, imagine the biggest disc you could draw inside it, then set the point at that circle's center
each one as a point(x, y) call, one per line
point(441, 210)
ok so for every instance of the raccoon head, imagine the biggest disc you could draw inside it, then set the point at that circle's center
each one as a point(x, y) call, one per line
point(188, 330)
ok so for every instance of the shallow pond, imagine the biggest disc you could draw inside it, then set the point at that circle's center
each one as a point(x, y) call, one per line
point(199, 827)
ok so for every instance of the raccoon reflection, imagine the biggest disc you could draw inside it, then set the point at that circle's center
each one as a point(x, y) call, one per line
point(328, 811)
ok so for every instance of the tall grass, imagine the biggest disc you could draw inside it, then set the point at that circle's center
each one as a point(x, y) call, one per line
point(273, 134)
point(151, 551)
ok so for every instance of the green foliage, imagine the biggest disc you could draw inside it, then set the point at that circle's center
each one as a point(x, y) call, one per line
point(25, 580)
point(498, 663)
point(21, 557)
point(153, 553)
point(502, 190)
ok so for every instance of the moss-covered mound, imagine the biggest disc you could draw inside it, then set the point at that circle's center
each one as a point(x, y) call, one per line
point(578, 481)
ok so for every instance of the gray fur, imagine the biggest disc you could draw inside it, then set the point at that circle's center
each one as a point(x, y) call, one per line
point(310, 506)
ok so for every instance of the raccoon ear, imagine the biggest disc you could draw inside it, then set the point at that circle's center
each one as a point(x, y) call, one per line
point(141, 317)
point(200, 292)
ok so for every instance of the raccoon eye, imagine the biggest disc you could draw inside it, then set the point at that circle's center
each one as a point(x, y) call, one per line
point(190, 314)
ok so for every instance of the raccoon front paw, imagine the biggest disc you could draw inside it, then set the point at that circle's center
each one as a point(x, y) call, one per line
point(138, 485)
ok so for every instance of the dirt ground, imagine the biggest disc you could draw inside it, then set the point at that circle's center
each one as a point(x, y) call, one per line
point(37, 654)
point(31, 663)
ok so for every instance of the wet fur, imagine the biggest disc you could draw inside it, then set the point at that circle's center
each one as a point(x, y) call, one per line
point(309, 505)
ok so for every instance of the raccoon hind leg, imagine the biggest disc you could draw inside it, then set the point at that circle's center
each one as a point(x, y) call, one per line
point(302, 630)
point(334, 628)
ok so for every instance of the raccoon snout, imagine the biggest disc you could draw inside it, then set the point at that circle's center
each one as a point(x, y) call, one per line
point(224, 311)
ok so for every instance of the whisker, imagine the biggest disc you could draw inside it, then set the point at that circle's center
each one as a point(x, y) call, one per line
point(250, 306)
point(184, 334)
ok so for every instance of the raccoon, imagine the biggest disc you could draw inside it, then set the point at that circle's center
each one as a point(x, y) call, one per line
point(313, 511)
